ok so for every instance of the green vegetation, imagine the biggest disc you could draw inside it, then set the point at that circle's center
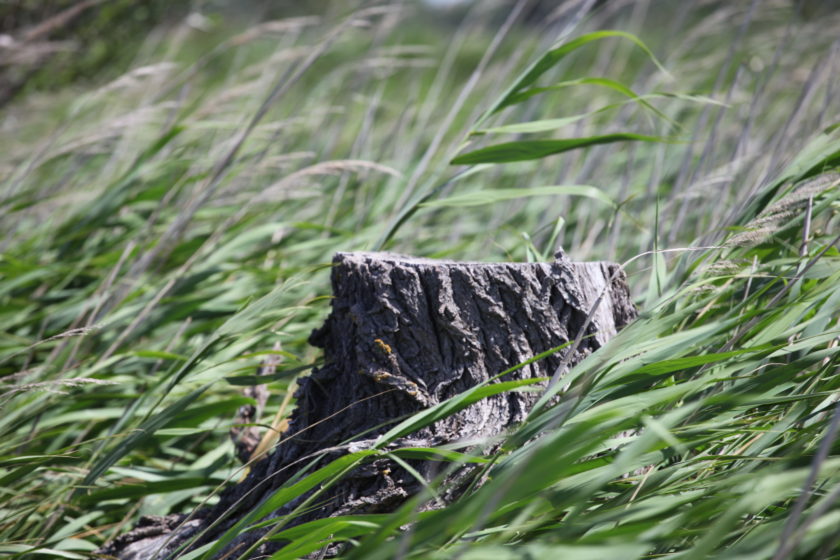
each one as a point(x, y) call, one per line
point(162, 231)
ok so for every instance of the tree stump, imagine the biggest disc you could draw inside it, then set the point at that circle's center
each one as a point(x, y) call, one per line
point(404, 334)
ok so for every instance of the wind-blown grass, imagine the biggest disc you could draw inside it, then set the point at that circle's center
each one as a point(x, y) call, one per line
point(163, 231)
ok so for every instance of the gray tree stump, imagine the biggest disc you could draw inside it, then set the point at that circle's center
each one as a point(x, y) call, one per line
point(406, 333)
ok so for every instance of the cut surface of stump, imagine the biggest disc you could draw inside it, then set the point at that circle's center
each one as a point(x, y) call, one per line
point(406, 333)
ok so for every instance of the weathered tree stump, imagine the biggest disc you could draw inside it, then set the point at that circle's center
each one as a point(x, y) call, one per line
point(406, 333)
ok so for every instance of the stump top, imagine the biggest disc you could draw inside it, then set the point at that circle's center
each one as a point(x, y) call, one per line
point(408, 260)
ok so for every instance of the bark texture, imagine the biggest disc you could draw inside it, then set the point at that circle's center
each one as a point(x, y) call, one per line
point(406, 333)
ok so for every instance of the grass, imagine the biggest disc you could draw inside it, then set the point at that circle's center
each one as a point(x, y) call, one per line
point(163, 231)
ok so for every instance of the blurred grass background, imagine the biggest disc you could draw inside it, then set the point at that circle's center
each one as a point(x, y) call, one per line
point(175, 177)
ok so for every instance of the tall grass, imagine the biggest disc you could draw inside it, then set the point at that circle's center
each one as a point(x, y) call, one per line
point(163, 231)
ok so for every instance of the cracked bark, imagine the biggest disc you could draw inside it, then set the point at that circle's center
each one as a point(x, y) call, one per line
point(406, 333)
